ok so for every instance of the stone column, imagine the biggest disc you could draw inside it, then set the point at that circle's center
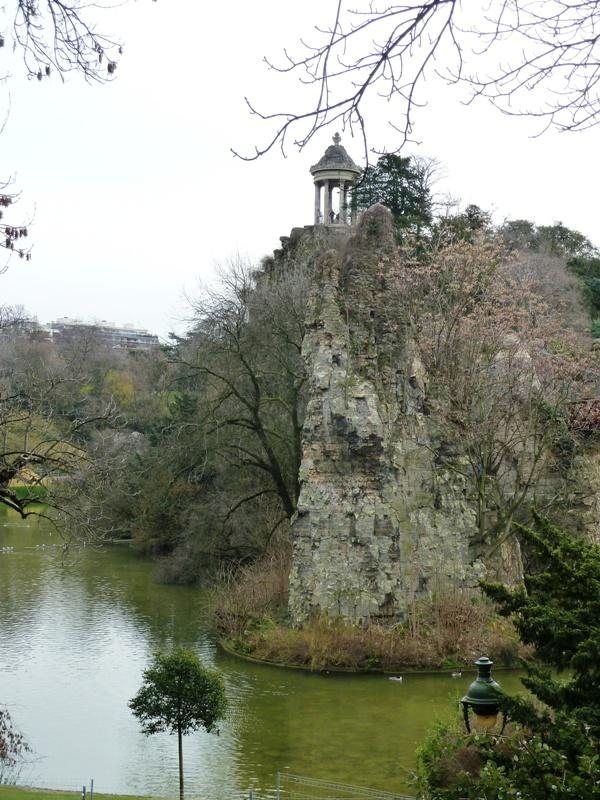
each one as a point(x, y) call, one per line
point(343, 209)
point(326, 202)
point(317, 202)
point(352, 210)
point(331, 188)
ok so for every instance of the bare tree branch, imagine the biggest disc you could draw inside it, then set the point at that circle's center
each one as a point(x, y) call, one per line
point(528, 57)
point(61, 36)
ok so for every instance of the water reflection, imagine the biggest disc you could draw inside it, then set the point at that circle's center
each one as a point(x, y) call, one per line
point(76, 639)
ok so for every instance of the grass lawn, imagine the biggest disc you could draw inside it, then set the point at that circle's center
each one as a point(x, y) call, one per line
point(8, 792)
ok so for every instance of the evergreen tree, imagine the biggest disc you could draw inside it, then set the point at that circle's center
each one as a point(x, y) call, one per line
point(402, 185)
point(552, 745)
point(558, 612)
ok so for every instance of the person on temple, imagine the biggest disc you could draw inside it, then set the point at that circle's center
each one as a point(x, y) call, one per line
point(331, 216)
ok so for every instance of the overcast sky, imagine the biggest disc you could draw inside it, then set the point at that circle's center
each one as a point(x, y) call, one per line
point(136, 196)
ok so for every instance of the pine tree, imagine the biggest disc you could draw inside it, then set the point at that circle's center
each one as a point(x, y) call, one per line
point(551, 748)
point(402, 185)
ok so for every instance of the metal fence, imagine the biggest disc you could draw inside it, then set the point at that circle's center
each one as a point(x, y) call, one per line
point(299, 787)
point(84, 787)
point(288, 786)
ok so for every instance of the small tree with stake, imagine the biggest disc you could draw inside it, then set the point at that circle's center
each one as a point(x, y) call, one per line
point(179, 695)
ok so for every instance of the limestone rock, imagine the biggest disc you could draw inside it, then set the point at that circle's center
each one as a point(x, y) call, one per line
point(380, 522)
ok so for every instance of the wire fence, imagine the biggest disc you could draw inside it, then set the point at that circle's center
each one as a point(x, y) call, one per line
point(88, 789)
point(300, 787)
point(288, 786)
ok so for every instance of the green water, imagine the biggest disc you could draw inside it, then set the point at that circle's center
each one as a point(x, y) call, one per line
point(76, 635)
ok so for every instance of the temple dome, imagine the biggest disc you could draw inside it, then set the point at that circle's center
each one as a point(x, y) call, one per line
point(335, 158)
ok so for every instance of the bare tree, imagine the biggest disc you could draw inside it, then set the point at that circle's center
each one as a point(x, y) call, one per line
point(543, 53)
point(60, 36)
point(246, 353)
point(501, 374)
point(220, 477)
point(13, 748)
point(57, 36)
point(11, 235)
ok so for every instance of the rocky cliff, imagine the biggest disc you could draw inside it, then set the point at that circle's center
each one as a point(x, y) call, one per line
point(380, 521)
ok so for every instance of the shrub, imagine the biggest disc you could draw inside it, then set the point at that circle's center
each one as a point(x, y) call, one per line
point(248, 593)
point(442, 632)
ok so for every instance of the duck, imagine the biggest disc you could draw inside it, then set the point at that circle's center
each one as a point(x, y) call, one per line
point(457, 674)
point(395, 678)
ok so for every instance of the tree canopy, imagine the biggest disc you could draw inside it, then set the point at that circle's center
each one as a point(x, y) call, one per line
point(179, 695)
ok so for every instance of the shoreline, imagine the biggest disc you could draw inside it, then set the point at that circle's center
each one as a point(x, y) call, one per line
point(225, 645)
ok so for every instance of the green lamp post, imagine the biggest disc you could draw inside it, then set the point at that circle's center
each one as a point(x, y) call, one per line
point(483, 698)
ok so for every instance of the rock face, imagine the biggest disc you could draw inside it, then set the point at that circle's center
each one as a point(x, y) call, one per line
point(381, 521)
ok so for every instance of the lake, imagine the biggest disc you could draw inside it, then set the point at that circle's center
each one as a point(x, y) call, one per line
point(76, 634)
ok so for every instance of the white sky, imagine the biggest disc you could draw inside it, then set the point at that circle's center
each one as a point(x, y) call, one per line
point(136, 195)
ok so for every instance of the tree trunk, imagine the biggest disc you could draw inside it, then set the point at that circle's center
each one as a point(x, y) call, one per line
point(180, 744)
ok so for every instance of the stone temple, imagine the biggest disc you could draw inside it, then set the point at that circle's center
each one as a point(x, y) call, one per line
point(334, 176)
point(380, 521)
